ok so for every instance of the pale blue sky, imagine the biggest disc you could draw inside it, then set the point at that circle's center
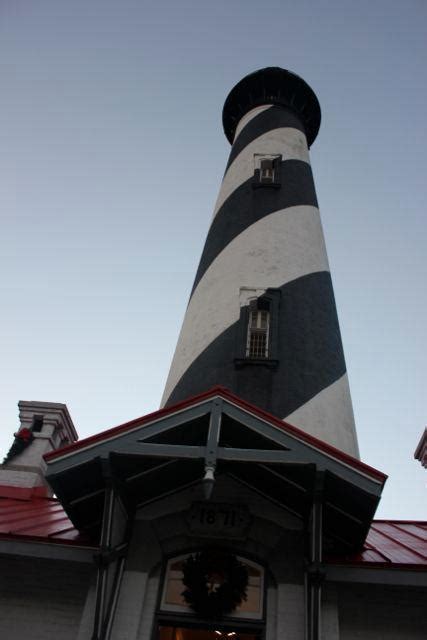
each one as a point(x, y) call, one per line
point(111, 156)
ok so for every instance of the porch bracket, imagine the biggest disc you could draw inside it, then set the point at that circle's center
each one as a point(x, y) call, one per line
point(211, 452)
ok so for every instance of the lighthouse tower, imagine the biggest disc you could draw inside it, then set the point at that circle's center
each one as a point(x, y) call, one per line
point(261, 319)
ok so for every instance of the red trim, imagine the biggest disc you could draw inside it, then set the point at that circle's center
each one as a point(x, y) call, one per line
point(243, 404)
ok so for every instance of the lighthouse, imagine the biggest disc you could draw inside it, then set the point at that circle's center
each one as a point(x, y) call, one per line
point(227, 513)
point(261, 319)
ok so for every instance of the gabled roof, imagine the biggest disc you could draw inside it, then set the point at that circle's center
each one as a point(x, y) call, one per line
point(166, 451)
point(221, 392)
point(282, 466)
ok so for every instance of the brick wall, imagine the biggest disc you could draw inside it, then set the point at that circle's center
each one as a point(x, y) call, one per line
point(372, 612)
point(290, 612)
point(42, 599)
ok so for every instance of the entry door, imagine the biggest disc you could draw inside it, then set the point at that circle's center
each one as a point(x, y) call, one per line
point(210, 633)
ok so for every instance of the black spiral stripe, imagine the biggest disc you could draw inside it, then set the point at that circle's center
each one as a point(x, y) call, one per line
point(246, 205)
point(272, 118)
point(310, 355)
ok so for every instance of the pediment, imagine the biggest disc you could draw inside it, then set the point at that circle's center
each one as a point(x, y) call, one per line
point(163, 453)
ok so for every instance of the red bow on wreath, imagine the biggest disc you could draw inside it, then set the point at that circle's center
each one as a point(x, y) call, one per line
point(23, 438)
point(24, 434)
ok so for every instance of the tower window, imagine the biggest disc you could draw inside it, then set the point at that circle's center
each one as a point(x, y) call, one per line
point(267, 170)
point(257, 345)
point(257, 331)
point(37, 425)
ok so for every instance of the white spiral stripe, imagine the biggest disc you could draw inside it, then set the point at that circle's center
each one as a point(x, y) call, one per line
point(277, 249)
point(248, 117)
point(327, 410)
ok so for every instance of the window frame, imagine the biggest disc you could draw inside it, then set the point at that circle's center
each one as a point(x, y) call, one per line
point(271, 300)
point(167, 610)
point(258, 331)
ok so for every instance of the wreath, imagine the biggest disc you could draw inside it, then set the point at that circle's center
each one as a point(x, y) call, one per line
point(23, 439)
point(215, 582)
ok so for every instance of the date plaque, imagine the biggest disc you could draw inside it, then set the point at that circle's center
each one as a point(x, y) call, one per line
point(218, 520)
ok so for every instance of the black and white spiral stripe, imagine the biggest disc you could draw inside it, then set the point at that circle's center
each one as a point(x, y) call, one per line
point(264, 239)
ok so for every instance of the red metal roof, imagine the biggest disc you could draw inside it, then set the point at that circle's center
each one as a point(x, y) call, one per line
point(37, 519)
point(394, 544)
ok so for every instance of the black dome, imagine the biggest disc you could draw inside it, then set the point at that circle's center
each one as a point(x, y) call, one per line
point(272, 85)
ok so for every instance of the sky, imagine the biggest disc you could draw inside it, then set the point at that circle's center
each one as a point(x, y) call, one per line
point(111, 157)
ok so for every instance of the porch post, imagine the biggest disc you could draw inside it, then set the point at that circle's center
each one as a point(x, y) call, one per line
point(100, 560)
point(111, 558)
point(315, 573)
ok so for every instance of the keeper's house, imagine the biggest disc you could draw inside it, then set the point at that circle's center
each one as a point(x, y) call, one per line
point(240, 509)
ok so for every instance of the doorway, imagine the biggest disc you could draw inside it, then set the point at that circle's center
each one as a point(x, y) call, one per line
point(208, 633)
